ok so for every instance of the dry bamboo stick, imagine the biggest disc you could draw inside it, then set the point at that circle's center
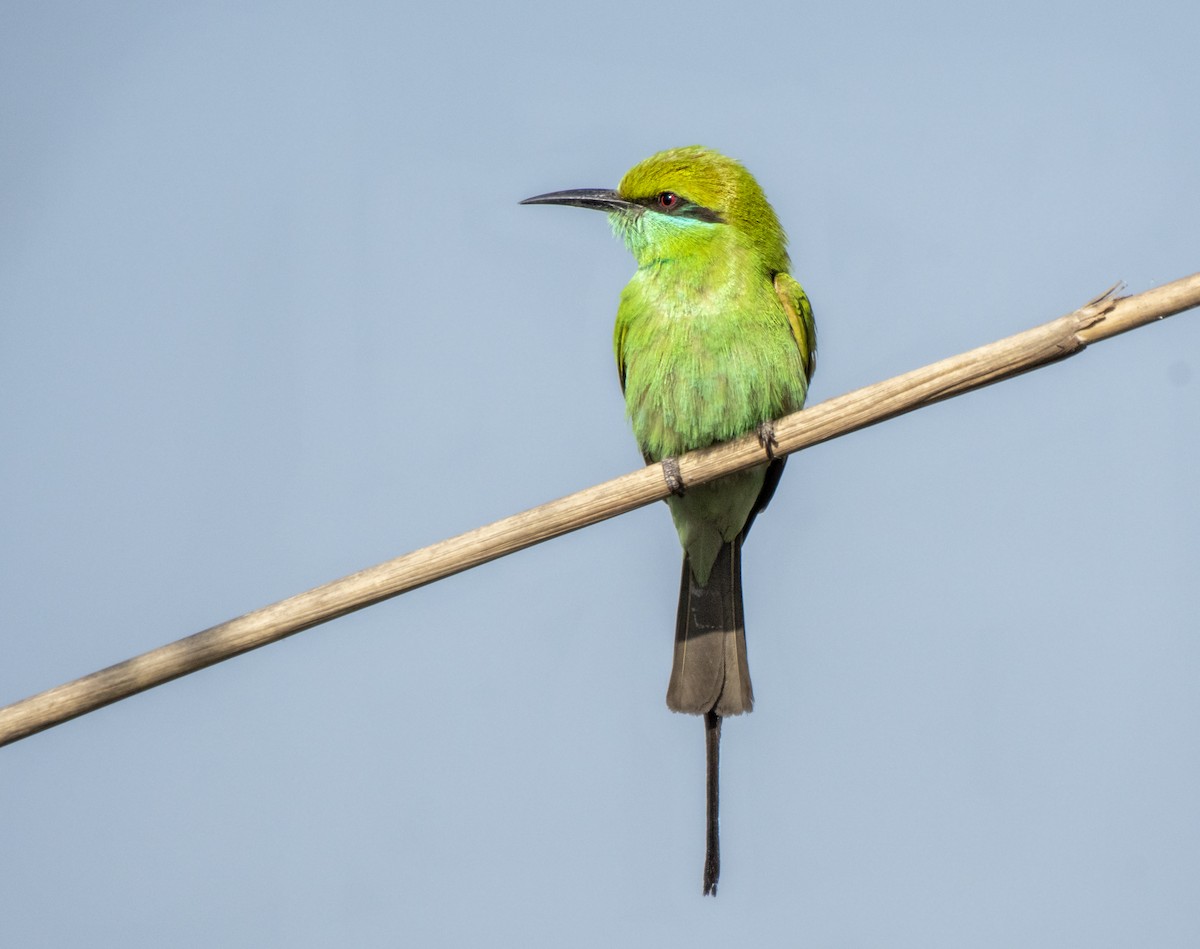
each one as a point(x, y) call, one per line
point(1104, 317)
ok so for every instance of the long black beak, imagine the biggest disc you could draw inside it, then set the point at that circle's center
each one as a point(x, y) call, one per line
point(598, 199)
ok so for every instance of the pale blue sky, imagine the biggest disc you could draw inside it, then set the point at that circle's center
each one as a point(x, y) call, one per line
point(270, 313)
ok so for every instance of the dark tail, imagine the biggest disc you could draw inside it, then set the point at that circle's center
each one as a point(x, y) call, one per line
point(711, 673)
point(712, 837)
point(711, 676)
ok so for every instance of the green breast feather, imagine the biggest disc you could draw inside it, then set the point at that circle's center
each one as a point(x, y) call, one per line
point(706, 354)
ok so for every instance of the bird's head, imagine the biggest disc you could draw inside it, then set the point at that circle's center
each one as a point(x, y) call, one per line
point(680, 200)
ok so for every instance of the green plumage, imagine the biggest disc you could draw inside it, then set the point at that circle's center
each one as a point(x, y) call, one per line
point(713, 339)
point(704, 342)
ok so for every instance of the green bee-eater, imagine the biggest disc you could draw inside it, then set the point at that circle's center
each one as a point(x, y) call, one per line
point(714, 339)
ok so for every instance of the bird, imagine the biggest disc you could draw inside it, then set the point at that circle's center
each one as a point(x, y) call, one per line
point(714, 339)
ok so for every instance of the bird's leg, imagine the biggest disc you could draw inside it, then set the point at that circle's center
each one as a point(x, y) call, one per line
point(673, 476)
point(712, 853)
point(766, 438)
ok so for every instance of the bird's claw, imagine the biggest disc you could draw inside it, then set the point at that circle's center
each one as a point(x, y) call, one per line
point(673, 476)
point(766, 438)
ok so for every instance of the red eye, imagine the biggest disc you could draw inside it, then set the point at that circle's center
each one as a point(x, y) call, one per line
point(668, 200)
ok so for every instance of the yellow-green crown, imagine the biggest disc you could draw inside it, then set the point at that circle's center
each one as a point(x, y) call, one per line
point(708, 179)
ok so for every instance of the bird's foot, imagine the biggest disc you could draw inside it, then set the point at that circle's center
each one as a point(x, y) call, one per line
point(673, 476)
point(766, 438)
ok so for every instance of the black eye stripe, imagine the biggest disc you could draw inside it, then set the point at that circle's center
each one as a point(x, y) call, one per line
point(703, 214)
point(681, 207)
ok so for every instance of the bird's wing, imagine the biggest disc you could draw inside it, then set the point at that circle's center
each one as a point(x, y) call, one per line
point(619, 352)
point(619, 349)
point(800, 318)
point(804, 332)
